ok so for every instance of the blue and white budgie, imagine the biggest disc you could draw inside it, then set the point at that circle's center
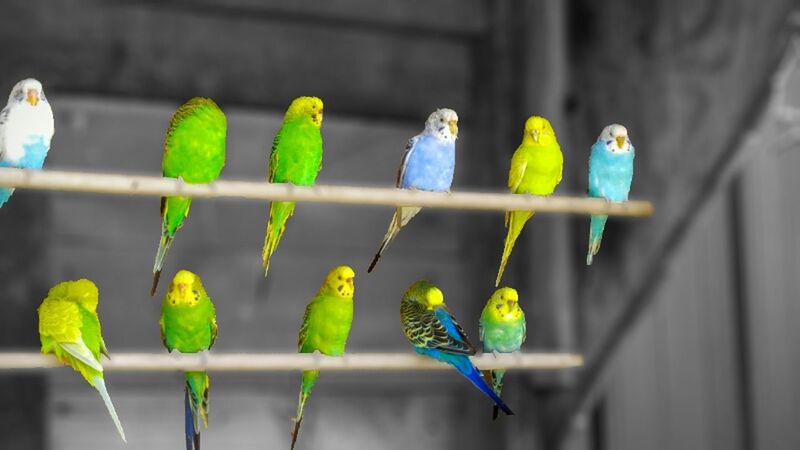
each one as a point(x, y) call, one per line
point(610, 177)
point(428, 165)
point(26, 128)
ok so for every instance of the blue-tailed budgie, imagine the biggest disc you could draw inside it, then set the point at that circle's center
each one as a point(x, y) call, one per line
point(433, 332)
point(610, 177)
point(26, 128)
point(503, 330)
point(428, 164)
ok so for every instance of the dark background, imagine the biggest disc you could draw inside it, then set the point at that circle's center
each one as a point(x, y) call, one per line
point(687, 319)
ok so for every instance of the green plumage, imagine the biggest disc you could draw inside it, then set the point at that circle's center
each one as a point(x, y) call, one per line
point(189, 325)
point(325, 328)
point(296, 158)
point(194, 151)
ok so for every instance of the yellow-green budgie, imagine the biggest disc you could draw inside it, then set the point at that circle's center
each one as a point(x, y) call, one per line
point(70, 329)
point(536, 169)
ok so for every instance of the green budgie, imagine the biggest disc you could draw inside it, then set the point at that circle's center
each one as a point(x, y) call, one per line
point(70, 329)
point(189, 325)
point(502, 329)
point(194, 151)
point(536, 169)
point(326, 325)
point(296, 158)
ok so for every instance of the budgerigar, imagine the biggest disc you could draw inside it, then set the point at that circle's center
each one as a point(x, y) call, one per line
point(26, 128)
point(70, 329)
point(189, 325)
point(194, 151)
point(610, 177)
point(434, 332)
point(428, 165)
point(536, 169)
point(325, 328)
point(296, 158)
point(502, 328)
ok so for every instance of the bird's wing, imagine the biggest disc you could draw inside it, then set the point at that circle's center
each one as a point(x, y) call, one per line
point(82, 353)
point(303, 335)
point(3, 123)
point(213, 331)
point(517, 171)
point(401, 172)
point(424, 328)
point(273, 156)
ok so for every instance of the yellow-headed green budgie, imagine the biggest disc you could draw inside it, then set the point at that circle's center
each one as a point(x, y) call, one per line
point(296, 158)
point(194, 151)
point(70, 329)
point(325, 328)
point(189, 325)
point(536, 169)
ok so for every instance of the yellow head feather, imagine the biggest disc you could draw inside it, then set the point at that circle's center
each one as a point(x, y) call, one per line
point(310, 107)
point(538, 131)
point(504, 304)
point(339, 282)
point(186, 289)
point(433, 297)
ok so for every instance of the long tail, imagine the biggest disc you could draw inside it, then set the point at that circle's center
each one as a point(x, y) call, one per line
point(5, 194)
point(163, 247)
point(100, 385)
point(400, 219)
point(279, 213)
point(196, 407)
point(309, 379)
point(465, 367)
point(495, 378)
point(595, 236)
point(515, 220)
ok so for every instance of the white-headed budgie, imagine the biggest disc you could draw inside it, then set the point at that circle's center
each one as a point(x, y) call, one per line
point(428, 164)
point(70, 329)
point(503, 330)
point(536, 168)
point(610, 177)
point(26, 128)
point(325, 328)
point(434, 332)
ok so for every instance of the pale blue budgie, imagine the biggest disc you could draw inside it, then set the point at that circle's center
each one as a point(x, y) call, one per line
point(610, 176)
point(26, 128)
point(428, 165)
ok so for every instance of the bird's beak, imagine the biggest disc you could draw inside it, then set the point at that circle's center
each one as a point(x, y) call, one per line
point(620, 141)
point(33, 97)
point(511, 304)
point(453, 125)
point(317, 117)
point(535, 135)
point(182, 287)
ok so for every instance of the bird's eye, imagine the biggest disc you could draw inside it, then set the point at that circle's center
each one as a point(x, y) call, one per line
point(498, 306)
point(608, 142)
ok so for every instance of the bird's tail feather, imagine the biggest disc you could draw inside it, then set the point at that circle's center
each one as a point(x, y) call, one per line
point(463, 364)
point(5, 194)
point(196, 406)
point(400, 219)
point(100, 385)
point(515, 220)
point(279, 213)
point(309, 379)
point(495, 378)
point(164, 245)
point(596, 228)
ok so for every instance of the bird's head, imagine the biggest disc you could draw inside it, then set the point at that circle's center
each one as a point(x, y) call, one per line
point(186, 289)
point(504, 304)
point(615, 138)
point(340, 282)
point(28, 91)
point(443, 123)
point(310, 107)
point(539, 131)
point(426, 293)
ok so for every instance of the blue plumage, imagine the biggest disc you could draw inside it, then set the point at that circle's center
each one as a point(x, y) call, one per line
point(429, 164)
point(610, 177)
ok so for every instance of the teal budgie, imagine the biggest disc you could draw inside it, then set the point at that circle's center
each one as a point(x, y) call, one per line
point(69, 328)
point(503, 330)
point(194, 151)
point(433, 332)
point(325, 328)
point(610, 177)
